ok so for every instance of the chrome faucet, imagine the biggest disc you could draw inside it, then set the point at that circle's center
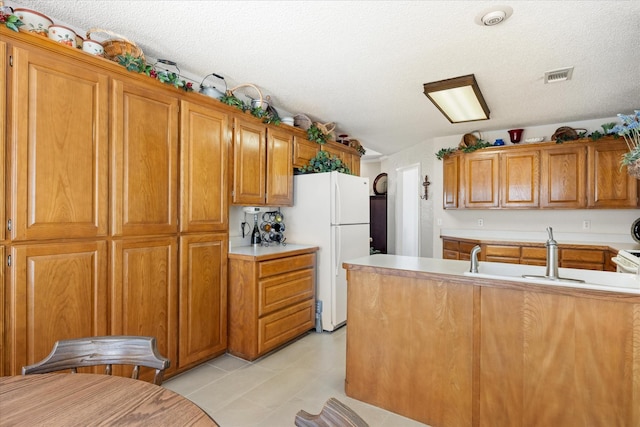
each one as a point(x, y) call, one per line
point(552, 257)
point(474, 259)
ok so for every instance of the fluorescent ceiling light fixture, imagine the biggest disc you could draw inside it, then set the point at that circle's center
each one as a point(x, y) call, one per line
point(459, 99)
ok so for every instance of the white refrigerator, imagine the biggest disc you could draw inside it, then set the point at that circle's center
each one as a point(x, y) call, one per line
point(331, 211)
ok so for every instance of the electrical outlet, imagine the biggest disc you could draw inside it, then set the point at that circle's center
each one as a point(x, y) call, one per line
point(480, 222)
point(586, 224)
point(439, 221)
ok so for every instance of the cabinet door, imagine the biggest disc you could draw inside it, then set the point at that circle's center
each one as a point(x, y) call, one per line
point(249, 163)
point(2, 313)
point(340, 151)
point(145, 160)
point(563, 177)
point(355, 164)
point(520, 179)
point(303, 151)
point(451, 181)
point(203, 297)
point(56, 291)
point(144, 292)
point(3, 135)
point(609, 185)
point(204, 145)
point(279, 168)
point(481, 180)
point(59, 124)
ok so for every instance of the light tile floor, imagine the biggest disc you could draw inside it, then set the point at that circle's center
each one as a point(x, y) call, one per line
point(270, 391)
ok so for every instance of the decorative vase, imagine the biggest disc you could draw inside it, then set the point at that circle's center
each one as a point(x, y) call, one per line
point(515, 135)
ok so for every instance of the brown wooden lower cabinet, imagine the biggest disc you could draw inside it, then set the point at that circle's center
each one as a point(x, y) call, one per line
point(144, 291)
point(271, 300)
point(533, 255)
point(55, 291)
point(501, 253)
point(584, 257)
point(457, 249)
point(203, 298)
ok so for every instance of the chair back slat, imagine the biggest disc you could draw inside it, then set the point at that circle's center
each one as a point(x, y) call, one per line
point(105, 350)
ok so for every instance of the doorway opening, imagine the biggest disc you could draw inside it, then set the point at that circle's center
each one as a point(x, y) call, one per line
point(408, 211)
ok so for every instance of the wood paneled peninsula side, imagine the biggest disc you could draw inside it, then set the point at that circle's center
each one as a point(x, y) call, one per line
point(427, 342)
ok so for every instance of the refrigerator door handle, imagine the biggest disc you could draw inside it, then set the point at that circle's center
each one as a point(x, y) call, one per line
point(336, 204)
point(338, 250)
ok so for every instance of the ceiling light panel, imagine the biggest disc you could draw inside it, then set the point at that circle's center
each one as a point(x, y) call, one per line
point(459, 99)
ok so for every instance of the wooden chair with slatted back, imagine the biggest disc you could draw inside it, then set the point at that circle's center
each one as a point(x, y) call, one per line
point(334, 414)
point(108, 351)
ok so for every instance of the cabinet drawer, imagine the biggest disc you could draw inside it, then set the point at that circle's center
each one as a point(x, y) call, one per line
point(582, 265)
point(446, 254)
point(281, 326)
point(534, 253)
point(465, 248)
point(529, 261)
point(502, 251)
point(502, 259)
point(283, 265)
point(283, 290)
point(450, 245)
point(582, 255)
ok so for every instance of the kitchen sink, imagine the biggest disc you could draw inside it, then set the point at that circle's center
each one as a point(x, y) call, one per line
point(571, 277)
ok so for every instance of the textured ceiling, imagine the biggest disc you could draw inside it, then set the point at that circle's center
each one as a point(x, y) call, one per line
point(362, 64)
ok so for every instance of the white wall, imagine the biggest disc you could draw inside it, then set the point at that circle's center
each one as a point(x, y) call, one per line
point(370, 169)
point(607, 225)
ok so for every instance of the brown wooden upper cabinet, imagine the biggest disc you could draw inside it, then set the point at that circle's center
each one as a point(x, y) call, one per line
point(574, 175)
point(305, 150)
point(344, 153)
point(451, 181)
point(520, 175)
point(144, 181)
point(59, 162)
point(262, 165)
point(609, 185)
point(563, 180)
point(480, 180)
point(205, 139)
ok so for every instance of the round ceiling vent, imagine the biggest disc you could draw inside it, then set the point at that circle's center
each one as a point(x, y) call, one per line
point(493, 16)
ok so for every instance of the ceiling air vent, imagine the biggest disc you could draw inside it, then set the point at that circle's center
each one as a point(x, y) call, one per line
point(559, 75)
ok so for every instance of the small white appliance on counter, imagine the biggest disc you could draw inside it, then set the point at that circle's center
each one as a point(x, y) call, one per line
point(331, 211)
point(627, 261)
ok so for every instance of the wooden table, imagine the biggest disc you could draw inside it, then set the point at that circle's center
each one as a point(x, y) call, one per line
point(62, 399)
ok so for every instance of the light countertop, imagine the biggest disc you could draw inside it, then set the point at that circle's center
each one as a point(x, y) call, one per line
point(258, 252)
point(617, 282)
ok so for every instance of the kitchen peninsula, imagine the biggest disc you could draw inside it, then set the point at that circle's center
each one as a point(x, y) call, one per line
point(448, 349)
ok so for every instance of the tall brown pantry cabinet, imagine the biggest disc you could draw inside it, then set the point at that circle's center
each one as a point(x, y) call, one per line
point(116, 207)
point(3, 132)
